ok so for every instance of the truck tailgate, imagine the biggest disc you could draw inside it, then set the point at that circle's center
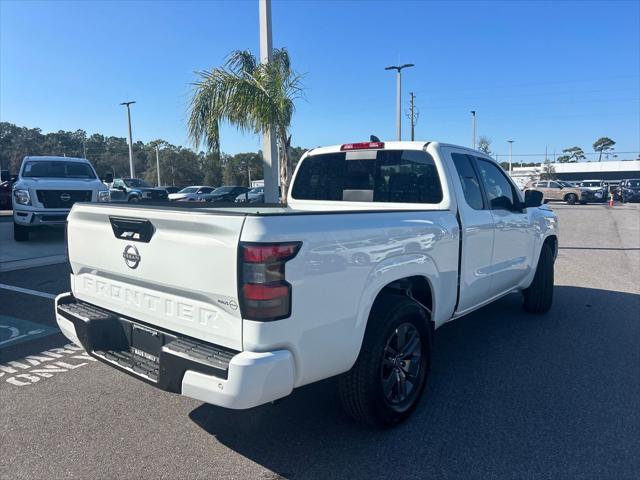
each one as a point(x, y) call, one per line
point(172, 269)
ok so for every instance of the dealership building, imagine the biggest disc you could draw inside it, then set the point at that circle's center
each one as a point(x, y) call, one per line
point(611, 171)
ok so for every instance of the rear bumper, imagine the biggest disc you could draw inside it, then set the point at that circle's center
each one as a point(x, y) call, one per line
point(199, 370)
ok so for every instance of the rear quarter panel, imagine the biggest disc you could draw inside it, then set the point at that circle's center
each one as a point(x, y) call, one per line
point(344, 262)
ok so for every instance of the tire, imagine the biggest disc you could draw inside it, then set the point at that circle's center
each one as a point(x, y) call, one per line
point(134, 199)
point(571, 199)
point(20, 232)
point(371, 391)
point(539, 296)
point(582, 202)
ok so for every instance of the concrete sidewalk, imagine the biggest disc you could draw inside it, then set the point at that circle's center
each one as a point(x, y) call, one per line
point(44, 247)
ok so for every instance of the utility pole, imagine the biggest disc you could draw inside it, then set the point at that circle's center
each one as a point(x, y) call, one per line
point(398, 70)
point(132, 172)
point(413, 115)
point(270, 160)
point(158, 163)
point(510, 154)
point(473, 129)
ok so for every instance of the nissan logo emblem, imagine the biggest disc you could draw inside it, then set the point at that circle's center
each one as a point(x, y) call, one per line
point(131, 256)
point(65, 197)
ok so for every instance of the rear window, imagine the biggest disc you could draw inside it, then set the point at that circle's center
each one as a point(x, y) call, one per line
point(395, 176)
point(57, 169)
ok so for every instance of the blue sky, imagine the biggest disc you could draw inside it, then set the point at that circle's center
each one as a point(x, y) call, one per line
point(553, 74)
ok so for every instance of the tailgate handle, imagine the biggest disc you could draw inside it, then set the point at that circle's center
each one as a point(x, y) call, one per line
point(134, 229)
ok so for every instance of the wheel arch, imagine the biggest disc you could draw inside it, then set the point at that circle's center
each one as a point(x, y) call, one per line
point(552, 241)
point(422, 288)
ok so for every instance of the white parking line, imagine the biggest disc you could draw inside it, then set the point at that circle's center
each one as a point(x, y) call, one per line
point(27, 291)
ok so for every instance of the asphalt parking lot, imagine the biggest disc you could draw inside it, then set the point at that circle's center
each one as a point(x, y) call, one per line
point(510, 395)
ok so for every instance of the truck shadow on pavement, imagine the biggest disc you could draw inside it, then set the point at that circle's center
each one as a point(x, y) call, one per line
point(510, 394)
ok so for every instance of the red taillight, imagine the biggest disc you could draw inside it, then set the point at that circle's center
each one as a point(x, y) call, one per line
point(362, 146)
point(269, 252)
point(264, 292)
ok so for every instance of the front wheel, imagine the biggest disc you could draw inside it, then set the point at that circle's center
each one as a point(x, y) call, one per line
point(571, 199)
point(385, 384)
point(20, 232)
point(539, 296)
point(134, 199)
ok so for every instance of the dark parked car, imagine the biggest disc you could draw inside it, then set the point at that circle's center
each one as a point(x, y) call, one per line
point(255, 195)
point(594, 191)
point(629, 190)
point(137, 190)
point(224, 194)
point(6, 184)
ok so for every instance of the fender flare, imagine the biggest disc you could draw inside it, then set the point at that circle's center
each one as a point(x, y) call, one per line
point(389, 271)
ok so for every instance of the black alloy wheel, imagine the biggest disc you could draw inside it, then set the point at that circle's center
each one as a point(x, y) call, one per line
point(401, 369)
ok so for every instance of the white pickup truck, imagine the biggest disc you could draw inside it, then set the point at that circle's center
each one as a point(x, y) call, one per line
point(379, 245)
point(46, 189)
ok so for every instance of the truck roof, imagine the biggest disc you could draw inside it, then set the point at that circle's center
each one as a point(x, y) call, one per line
point(48, 158)
point(396, 145)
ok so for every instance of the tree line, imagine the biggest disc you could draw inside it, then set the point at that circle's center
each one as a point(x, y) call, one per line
point(603, 146)
point(109, 154)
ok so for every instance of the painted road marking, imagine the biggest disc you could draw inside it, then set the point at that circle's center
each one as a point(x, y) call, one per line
point(27, 291)
point(15, 330)
point(33, 368)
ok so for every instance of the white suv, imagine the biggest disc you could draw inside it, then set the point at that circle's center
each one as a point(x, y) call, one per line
point(47, 188)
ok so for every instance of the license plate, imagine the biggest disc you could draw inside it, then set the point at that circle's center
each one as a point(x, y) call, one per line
point(146, 343)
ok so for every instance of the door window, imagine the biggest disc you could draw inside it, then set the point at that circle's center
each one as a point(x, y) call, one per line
point(469, 181)
point(554, 185)
point(498, 189)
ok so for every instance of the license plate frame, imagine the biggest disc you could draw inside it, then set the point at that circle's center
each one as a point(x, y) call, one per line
point(146, 342)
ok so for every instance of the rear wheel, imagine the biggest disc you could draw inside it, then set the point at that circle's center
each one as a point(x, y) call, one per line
point(571, 199)
point(539, 296)
point(20, 232)
point(385, 384)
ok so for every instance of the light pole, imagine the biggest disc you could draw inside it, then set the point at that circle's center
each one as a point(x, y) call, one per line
point(269, 148)
point(473, 129)
point(398, 70)
point(158, 163)
point(132, 171)
point(510, 154)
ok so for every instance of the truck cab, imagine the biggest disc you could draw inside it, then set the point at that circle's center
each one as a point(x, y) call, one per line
point(47, 188)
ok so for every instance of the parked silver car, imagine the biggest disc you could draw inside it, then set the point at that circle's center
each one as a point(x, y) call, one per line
point(192, 193)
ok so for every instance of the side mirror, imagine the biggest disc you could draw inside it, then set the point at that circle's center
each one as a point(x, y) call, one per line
point(532, 198)
point(121, 187)
point(108, 178)
point(4, 176)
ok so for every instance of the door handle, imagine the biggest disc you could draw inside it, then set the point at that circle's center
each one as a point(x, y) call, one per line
point(134, 229)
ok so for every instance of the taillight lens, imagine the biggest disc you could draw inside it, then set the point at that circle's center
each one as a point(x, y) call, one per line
point(264, 292)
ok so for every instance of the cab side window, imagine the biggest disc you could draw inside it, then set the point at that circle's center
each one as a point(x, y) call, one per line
point(117, 183)
point(498, 189)
point(469, 181)
point(554, 185)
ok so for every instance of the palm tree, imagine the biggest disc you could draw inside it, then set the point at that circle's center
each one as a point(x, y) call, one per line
point(250, 95)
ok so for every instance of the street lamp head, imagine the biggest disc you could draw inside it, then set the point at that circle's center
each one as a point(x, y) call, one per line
point(510, 141)
point(473, 112)
point(127, 103)
point(407, 65)
point(393, 67)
